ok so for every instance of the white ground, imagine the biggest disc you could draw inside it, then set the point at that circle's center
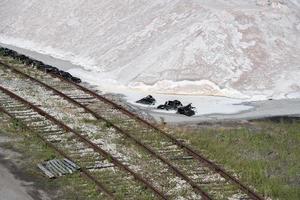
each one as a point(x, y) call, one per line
point(204, 104)
point(228, 48)
point(208, 107)
point(260, 109)
point(198, 51)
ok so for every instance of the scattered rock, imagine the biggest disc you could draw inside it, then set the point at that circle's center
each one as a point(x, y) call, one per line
point(38, 64)
point(187, 110)
point(148, 100)
point(170, 105)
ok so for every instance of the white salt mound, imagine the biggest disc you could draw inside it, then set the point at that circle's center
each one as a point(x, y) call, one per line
point(228, 48)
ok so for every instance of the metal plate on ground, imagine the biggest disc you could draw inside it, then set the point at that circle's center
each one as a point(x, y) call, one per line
point(56, 168)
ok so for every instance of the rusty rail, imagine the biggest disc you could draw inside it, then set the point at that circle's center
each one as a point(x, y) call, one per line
point(86, 141)
point(177, 171)
point(187, 148)
point(84, 172)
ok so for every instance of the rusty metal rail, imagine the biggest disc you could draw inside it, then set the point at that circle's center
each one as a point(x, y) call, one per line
point(83, 171)
point(175, 170)
point(187, 148)
point(196, 155)
point(87, 142)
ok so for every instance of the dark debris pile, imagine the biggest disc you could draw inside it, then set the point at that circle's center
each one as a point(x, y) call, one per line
point(148, 100)
point(170, 105)
point(187, 110)
point(38, 64)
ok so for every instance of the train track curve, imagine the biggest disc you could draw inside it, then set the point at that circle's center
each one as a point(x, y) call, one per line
point(180, 158)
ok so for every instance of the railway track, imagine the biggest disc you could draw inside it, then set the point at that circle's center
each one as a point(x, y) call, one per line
point(70, 145)
point(200, 177)
point(103, 192)
point(159, 174)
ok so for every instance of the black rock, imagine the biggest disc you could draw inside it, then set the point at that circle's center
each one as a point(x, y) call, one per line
point(29, 61)
point(8, 52)
point(38, 64)
point(148, 100)
point(41, 66)
point(76, 80)
point(187, 110)
point(50, 69)
point(22, 58)
point(170, 105)
point(65, 75)
point(162, 107)
point(14, 54)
